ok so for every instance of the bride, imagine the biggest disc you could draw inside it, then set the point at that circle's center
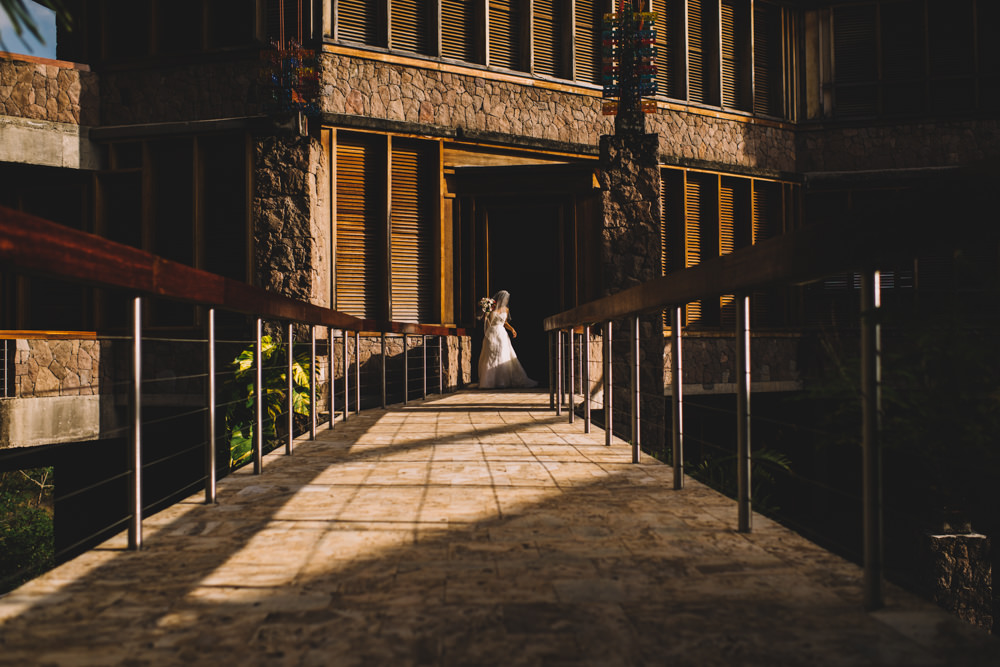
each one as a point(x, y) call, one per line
point(498, 364)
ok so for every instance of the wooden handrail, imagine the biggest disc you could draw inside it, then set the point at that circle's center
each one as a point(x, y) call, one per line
point(33, 245)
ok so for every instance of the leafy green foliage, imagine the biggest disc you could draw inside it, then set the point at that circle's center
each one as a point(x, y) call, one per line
point(720, 473)
point(26, 527)
point(22, 21)
point(242, 410)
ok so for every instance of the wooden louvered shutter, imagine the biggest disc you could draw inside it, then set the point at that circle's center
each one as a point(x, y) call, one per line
point(357, 238)
point(587, 41)
point(669, 40)
point(694, 191)
point(768, 67)
point(410, 237)
point(988, 23)
point(358, 21)
point(902, 34)
point(409, 26)
point(951, 58)
point(457, 29)
point(548, 38)
point(765, 222)
point(505, 34)
point(855, 68)
point(698, 59)
point(727, 243)
point(734, 33)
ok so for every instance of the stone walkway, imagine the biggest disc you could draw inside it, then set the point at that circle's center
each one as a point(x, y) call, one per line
point(474, 529)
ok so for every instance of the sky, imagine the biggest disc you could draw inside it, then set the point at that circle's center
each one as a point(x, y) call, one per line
point(45, 19)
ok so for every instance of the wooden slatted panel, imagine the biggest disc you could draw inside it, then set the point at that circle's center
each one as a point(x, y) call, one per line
point(409, 26)
point(988, 23)
point(586, 35)
point(694, 191)
point(951, 27)
point(767, 64)
point(734, 29)
point(358, 21)
point(855, 65)
point(902, 35)
point(411, 237)
point(727, 244)
point(357, 240)
point(548, 38)
point(765, 222)
point(667, 18)
point(696, 54)
point(457, 29)
point(505, 34)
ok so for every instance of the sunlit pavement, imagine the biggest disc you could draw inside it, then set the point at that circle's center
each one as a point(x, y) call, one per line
point(473, 529)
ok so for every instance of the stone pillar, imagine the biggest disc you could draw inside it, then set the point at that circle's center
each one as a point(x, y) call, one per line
point(630, 255)
point(291, 219)
point(958, 576)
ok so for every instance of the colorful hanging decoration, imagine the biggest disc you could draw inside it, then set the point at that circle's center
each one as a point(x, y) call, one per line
point(628, 44)
point(289, 79)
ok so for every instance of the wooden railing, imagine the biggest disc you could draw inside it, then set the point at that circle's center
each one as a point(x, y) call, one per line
point(33, 246)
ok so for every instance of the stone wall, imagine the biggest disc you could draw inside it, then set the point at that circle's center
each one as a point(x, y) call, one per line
point(507, 104)
point(291, 245)
point(709, 363)
point(898, 146)
point(48, 90)
point(180, 93)
point(56, 368)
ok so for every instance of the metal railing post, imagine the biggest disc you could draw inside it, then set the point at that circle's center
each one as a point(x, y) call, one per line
point(559, 372)
point(385, 365)
point(871, 438)
point(333, 372)
point(210, 443)
point(570, 384)
point(743, 499)
point(585, 376)
point(312, 381)
point(357, 372)
point(258, 398)
point(635, 390)
point(347, 375)
point(423, 347)
point(552, 382)
point(406, 368)
point(291, 389)
point(677, 397)
point(135, 454)
point(441, 364)
point(608, 402)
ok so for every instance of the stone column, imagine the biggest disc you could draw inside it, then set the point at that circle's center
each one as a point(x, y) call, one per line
point(630, 193)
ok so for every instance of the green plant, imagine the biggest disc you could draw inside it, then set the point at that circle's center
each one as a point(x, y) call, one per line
point(26, 527)
point(720, 473)
point(242, 410)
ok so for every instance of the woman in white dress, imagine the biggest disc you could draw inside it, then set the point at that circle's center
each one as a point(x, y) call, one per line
point(498, 364)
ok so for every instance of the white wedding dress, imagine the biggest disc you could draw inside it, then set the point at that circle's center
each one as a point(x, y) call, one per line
point(498, 364)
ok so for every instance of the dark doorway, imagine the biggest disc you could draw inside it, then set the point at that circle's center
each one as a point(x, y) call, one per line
point(523, 237)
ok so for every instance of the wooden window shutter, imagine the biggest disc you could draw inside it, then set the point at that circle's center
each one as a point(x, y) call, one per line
point(505, 33)
point(728, 216)
point(411, 236)
point(357, 257)
point(357, 21)
point(735, 30)
point(409, 26)
point(855, 69)
point(548, 38)
point(988, 23)
point(767, 61)
point(902, 38)
point(952, 55)
point(694, 192)
point(458, 29)
point(765, 222)
point(696, 53)
point(670, 71)
point(587, 41)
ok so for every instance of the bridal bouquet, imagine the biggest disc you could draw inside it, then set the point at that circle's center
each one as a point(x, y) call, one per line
point(486, 305)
